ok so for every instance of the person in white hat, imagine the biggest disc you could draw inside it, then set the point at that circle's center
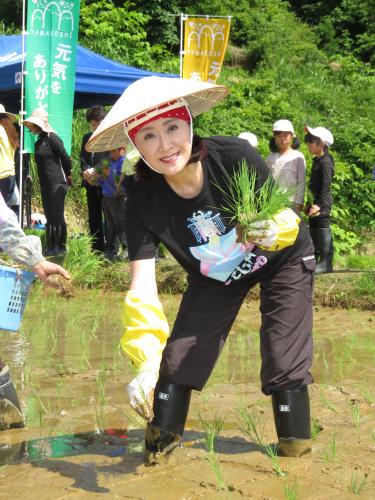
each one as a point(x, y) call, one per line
point(180, 179)
point(250, 137)
point(287, 164)
point(8, 145)
point(25, 250)
point(318, 141)
point(54, 171)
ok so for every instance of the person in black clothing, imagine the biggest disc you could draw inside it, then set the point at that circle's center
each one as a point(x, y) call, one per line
point(94, 116)
point(54, 171)
point(318, 141)
point(179, 199)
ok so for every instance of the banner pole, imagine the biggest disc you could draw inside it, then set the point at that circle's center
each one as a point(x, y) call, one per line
point(22, 113)
point(182, 17)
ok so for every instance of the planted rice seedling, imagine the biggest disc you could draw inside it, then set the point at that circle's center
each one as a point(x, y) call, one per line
point(356, 414)
point(357, 485)
point(212, 430)
point(330, 454)
point(315, 428)
point(251, 426)
point(291, 490)
point(101, 399)
point(326, 402)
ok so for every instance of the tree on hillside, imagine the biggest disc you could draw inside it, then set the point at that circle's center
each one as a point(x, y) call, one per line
point(346, 26)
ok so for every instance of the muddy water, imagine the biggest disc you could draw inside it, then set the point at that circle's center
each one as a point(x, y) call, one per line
point(82, 440)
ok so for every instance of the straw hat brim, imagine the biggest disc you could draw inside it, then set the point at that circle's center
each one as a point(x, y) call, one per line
point(39, 122)
point(146, 94)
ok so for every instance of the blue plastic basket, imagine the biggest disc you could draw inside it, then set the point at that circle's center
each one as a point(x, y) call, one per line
point(14, 289)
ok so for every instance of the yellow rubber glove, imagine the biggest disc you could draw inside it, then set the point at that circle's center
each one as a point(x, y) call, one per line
point(277, 233)
point(146, 331)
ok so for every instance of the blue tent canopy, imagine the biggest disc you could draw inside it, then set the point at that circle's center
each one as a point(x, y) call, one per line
point(98, 80)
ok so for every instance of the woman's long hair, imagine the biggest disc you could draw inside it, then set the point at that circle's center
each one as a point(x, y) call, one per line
point(10, 129)
point(198, 152)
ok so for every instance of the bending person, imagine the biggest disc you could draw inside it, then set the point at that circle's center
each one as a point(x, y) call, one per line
point(27, 251)
point(180, 179)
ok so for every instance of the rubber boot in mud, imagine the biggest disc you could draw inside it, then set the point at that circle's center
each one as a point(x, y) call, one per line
point(10, 410)
point(164, 432)
point(291, 410)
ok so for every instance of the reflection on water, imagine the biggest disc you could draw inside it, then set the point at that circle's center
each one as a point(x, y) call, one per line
point(111, 443)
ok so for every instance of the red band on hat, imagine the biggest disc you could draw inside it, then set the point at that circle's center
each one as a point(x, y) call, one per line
point(181, 113)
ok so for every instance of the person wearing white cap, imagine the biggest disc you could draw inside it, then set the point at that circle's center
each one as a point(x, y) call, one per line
point(25, 250)
point(287, 164)
point(54, 171)
point(250, 137)
point(318, 141)
point(8, 146)
point(180, 179)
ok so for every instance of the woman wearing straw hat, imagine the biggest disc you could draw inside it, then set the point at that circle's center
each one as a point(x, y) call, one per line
point(25, 250)
point(181, 179)
point(8, 145)
point(54, 171)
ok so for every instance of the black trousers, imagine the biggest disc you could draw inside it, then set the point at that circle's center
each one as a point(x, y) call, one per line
point(114, 213)
point(7, 186)
point(53, 199)
point(95, 213)
point(208, 310)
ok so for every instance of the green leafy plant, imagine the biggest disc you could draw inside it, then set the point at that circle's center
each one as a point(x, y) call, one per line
point(251, 426)
point(82, 262)
point(247, 203)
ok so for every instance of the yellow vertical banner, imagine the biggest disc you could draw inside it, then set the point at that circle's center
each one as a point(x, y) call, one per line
point(205, 42)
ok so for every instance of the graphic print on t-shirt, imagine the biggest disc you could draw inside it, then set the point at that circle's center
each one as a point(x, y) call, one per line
point(221, 257)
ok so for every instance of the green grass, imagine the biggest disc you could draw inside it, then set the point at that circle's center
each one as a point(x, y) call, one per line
point(357, 485)
point(364, 262)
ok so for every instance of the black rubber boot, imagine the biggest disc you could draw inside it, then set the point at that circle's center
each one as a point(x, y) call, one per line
point(163, 433)
point(50, 241)
point(324, 244)
point(10, 410)
point(63, 235)
point(291, 411)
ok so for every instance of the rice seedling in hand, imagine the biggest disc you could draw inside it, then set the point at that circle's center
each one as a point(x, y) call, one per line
point(250, 205)
point(82, 263)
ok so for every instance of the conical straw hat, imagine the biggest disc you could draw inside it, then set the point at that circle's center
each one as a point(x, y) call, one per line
point(146, 94)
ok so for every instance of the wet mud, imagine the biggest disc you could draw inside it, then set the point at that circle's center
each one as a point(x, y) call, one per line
point(82, 440)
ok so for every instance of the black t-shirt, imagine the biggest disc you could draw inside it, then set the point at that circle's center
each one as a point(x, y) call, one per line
point(196, 231)
point(52, 160)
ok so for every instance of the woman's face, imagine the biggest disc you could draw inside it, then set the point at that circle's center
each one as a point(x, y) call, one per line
point(165, 145)
point(316, 149)
point(283, 140)
point(34, 129)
